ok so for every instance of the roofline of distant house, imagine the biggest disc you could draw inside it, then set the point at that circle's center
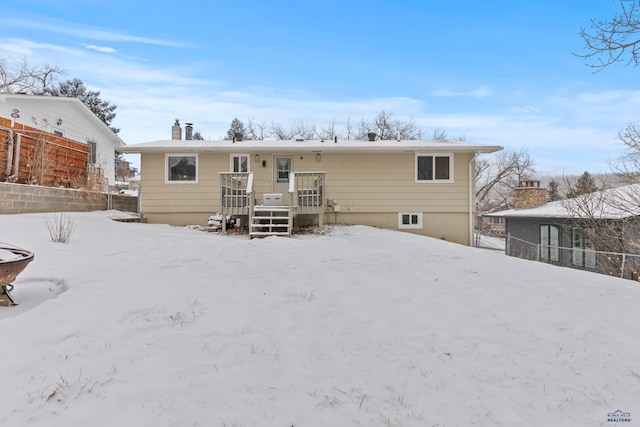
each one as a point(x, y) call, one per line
point(86, 109)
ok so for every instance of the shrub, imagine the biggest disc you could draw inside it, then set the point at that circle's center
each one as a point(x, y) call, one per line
point(60, 227)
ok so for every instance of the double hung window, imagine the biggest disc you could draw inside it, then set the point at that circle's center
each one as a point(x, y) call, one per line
point(239, 163)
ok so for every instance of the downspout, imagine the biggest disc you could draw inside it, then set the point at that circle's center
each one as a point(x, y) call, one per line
point(16, 158)
point(471, 191)
point(9, 165)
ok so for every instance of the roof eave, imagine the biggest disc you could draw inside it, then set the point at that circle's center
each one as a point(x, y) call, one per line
point(324, 147)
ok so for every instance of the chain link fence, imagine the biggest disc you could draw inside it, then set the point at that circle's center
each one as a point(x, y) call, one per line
point(624, 265)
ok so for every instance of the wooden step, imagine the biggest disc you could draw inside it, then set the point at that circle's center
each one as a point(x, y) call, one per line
point(263, 217)
point(269, 233)
point(261, 208)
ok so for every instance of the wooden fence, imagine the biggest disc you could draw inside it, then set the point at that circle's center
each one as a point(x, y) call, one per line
point(33, 156)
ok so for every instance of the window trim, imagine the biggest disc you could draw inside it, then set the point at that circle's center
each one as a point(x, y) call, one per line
point(417, 226)
point(434, 180)
point(166, 168)
point(234, 155)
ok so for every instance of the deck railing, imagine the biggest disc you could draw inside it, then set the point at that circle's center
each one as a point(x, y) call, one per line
point(308, 194)
point(234, 198)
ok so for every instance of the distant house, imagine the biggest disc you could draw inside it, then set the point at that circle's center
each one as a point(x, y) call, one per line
point(598, 231)
point(424, 187)
point(69, 120)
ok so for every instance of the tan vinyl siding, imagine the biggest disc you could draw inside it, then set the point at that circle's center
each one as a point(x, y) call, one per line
point(161, 197)
point(371, 189)
point(386, 183)
point(452, 227)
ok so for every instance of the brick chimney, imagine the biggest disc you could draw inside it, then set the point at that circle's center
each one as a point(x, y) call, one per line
point(529, 194)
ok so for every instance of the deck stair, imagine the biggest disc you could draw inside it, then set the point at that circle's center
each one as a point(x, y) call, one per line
point(270, 221)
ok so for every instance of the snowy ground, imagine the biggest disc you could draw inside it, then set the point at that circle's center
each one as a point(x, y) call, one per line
point(151, 325)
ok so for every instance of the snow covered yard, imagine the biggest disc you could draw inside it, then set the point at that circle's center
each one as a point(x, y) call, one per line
point(151, 325)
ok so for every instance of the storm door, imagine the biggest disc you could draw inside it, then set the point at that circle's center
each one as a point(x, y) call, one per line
point(282, 168)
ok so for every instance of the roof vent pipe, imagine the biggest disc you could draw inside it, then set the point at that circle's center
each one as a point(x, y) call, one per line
point(188, 131)
point(335, 139)
point(371, 136)
point(238, 136)
point(176, 130)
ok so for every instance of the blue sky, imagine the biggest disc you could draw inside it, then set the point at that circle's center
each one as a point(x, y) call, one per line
point(498, 72)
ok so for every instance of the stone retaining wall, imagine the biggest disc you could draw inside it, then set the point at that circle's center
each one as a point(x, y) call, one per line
point(20, 198)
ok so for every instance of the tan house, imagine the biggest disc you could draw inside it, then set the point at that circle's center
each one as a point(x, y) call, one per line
point(424, 187)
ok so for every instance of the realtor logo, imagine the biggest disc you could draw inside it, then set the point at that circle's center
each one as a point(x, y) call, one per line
point(618, 416)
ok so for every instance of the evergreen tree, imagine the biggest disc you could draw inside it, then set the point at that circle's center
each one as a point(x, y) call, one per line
point(553, 191)
point(76, 88)
point(237, 127)
point(585, 184)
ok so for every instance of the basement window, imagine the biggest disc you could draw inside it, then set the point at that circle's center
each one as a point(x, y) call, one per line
point(434, 168)
point(181, 168)
point(410, 220)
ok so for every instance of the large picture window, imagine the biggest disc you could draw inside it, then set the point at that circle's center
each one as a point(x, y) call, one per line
point(181, 168)
point(549, 242)
point(434, 167)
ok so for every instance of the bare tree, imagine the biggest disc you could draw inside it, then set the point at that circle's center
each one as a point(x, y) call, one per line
point(256, 131)
point(496, 177)
point(348, 128)
point(18, 76)
point(386, 127)
point(603, 221)
point(614, 40)
point(627, 166)
point(303, 130)
point(439, 135)
point(280, 133)
point(329, 131)
point(364, 128)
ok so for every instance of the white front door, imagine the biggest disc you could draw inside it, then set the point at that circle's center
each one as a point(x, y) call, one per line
point(282, 167)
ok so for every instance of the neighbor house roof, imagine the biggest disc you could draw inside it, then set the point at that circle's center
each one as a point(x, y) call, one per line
point(75, 102)
point(178, 146)
point(614, 203)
